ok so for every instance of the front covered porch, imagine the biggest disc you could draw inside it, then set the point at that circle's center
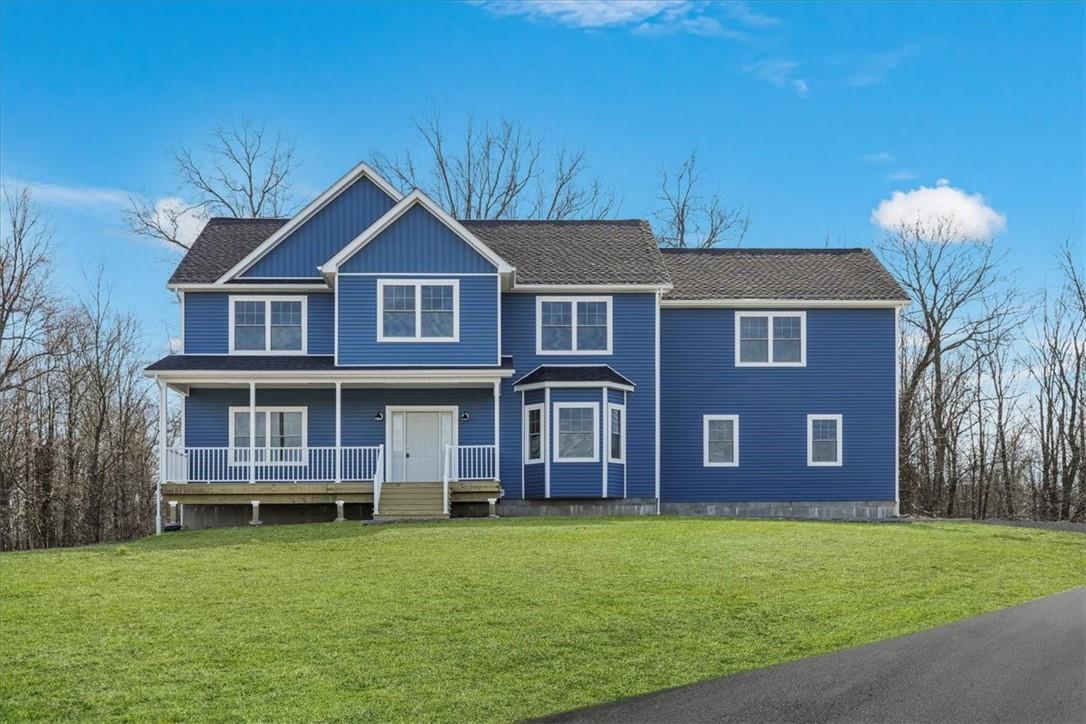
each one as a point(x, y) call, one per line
point(409, 444)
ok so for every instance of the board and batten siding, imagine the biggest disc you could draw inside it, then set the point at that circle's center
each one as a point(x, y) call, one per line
point(207, 321)
point(849, 371)
point(633, 347)
point(329, 230)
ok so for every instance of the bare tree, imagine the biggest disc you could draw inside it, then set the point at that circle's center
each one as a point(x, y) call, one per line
point(689, 217)
point(242, 171)
point(27, 312)
point(498, 171)
point(963, 308)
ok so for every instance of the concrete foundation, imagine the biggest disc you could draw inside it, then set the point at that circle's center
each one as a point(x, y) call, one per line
point(815, 510)
point(577, 507)
point(198, 517)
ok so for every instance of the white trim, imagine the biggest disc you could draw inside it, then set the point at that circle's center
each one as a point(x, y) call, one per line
point(335, 321)
point(435, 275)
point(406, 203)
point(497, 430)
point(389, 409)
point(361, 170)
point(339, 431)
point(547, 458)
point(418, 284)
point(840, 441)
point(523, 483)
point(181, 301)
point(705, 462)
point(266, 409)
point(786, 303)
point(558, 407)
point(656, 402)
point(267, 300)
point(897, 410)
point(625, 468)
point(499, 319)
point(407, 376)
point(770, 316)
point(612, 406)
point(572, 301)
point(314, 287)
point(588, 288)
point(605, 427)
point(542, 433)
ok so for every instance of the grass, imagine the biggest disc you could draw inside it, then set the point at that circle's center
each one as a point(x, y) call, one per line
point(480, 620)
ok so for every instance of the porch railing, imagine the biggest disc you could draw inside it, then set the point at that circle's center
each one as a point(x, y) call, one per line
point(272, 465)
point(466, 462)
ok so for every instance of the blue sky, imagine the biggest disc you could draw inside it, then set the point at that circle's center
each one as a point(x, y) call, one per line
point(810, 115)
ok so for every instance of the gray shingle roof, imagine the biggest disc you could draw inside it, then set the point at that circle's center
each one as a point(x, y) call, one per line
point(846, 274)
point(222, 244)
point(576, 252)
point(573, 373)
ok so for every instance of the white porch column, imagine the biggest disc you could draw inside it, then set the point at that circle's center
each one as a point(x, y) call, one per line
point(252, 437)
point(161, 455)
point(605, 439)
point(497, 430)
point(339, 442)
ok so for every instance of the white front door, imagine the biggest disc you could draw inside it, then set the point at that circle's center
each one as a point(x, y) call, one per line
point(418, 442)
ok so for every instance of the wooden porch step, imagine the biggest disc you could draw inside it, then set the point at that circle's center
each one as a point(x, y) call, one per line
point(411, 501)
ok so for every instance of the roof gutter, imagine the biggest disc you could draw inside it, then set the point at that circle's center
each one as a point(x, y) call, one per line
point(758, 303)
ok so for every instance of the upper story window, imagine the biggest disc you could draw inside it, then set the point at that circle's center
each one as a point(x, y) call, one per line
point(770, 339)
point(720, 441)
point(824, 440)
point(573, 325)
point(267, 325)
point(576, 432)
point(418, 310)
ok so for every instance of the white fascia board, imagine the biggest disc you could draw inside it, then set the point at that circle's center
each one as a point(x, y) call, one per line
point(415, 197)
point(327, 196)
point(353, 375)
point(751, 303)
point(307, 287)
point(567, 385)
point(586, 288)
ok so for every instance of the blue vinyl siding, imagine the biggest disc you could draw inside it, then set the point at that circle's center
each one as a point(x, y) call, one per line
point(615, 471)
point(633, 356)
point(417, 243)
point(478, 345)
point(328, 231)
point(850, 371)
point(207, 322)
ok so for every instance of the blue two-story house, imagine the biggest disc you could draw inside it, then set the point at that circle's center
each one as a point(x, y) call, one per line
point(373, 356)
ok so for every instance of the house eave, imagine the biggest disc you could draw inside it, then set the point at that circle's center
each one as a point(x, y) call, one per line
point(757, 303)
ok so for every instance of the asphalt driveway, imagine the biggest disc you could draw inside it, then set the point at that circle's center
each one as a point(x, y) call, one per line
point(1021, 664)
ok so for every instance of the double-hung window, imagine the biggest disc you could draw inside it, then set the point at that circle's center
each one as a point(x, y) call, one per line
point(616, 433)
point(576, 432)
point(720, 444)
point(418, 310)
point(824, 440)
point(533, 434)
point(267, 325)
point(280, 435)
point(770, 339)
point(573, 325)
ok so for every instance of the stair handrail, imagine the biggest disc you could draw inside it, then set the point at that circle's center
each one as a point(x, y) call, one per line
point(378, 479)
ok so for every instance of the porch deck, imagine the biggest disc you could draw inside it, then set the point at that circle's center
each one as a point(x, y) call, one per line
point(465, 491)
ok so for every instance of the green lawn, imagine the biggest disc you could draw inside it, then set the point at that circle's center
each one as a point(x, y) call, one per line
point(491, 620)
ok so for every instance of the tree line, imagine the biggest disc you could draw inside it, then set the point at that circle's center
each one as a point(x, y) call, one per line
point(992, 381)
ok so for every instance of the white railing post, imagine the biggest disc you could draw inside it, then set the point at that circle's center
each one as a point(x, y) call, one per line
point(378, 479)
point(161, 455)
point(445, 480)
point(339, 441)
point(252, 433)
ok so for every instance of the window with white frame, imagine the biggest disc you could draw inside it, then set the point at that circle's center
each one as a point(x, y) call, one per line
point(770, 339)
point(616, 433)
point(720, 446)
point(533, 433)
point(573, 325)
point(824, 440)
point(418, 310)
point(280, 435)
point(576, 432)
point(267, 325)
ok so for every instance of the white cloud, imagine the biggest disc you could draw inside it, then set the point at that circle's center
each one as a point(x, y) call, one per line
point(971, 215)
point(902, 174)
point(185, 221)
point(82, 197)
point(778, 71)
point(875, 68)
point(644, 17)
point(879, 157)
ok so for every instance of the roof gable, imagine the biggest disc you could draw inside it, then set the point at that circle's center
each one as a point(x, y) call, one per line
point(326, 224)
point(431, 212)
